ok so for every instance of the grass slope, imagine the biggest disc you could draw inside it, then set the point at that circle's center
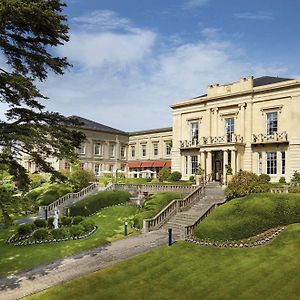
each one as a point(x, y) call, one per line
point(186, 271)
point(110, 224)
point(248, 216)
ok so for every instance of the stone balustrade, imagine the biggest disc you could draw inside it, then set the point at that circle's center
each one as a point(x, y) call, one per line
point(172, 208)
point(67, 198)
point(270, 138)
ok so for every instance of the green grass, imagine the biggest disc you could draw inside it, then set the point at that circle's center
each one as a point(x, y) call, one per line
point(153, 205)
point(186, 271)
point(245, 217)
point(110, 224)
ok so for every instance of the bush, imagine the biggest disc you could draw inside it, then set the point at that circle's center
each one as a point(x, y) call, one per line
point(36, 180)
point(164, 174)
point(59, 233)
point(40, 234)
point(245, 183)
point(265, 178)
point(192, 178)
point(53, 192)
point(26, 229)
point(39, 223)
point(77, 220)
point(175, 176)
point(76, 230)
point(50, 222)
point(80, 179)
point(88, 225)
point(96, 202)
point(282, 180)
point(66, 221)
point(296, 178)
point(294, 189)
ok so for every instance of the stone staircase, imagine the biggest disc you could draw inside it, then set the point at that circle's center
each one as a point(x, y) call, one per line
point(214, 195)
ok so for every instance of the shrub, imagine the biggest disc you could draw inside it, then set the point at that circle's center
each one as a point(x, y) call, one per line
point(80, 179)
point(294, 189)
point(295, 178)
point(282, 180)
point(175, 176)
point(39, 223)
point(164, 174)
point(26, 229)
point(59, 233)
point(192, 178)
point(88, 225)
point(265, 178)
point(48, 197)
point(76, 230)
point(98, 201)
point(40, 234)
point(50, 222)
point(77, 220)
point(36, 180)
point(245, 183)
point(66, 221)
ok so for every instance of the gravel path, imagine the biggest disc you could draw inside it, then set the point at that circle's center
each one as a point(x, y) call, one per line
point(43, 277)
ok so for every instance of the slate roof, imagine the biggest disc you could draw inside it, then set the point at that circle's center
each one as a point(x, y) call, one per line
point(89, 124)
point(265, 80)
point(165, 129)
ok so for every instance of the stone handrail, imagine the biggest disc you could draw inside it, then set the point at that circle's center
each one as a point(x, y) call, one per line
point(155, 188)
point(65, 198)
point(171, 209)
point(270, 138)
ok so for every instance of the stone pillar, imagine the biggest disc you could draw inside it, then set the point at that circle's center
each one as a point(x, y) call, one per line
point(182, 168)
point(233, 161)
point(225, 162)
point(189, 166)
point(209, 163)
point(278, 160)
point(242, 118)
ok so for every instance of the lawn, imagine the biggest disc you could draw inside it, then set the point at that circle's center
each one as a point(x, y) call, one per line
point(245, 217)
point(186, 271)
point(110, 222)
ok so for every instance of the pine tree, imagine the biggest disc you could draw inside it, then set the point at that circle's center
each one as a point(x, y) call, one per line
point(29, 30)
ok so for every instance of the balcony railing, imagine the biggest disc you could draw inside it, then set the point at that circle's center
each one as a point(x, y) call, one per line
point(276, 137)
point(212, 140)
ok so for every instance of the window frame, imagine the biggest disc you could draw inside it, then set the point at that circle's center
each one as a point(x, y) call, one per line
point(155, 149)
point(271, 130)
point(100, 149)
point(144, 150)
point(194, 133)
point(271, 163)
point(194, 164)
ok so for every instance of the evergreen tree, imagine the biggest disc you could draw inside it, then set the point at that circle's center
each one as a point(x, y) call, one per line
point(29, 30)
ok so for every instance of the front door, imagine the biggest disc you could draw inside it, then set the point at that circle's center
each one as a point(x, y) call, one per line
point(217, 165)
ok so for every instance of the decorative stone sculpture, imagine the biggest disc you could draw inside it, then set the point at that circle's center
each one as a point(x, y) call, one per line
point(55, 222)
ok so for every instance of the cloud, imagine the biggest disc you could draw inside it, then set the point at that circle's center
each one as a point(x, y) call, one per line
point(259, 16)
point(195, 3)
point(128, 79)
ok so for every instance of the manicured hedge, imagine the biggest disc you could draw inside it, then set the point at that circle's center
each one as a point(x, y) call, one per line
point(245, 217)
point(96, 202)
point(154, 205)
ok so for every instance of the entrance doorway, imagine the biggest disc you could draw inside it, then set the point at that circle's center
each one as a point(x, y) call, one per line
point(217, 165)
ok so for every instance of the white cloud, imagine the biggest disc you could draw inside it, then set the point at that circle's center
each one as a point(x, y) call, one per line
point(128, 79)
point(195, 3)
point(258, 16)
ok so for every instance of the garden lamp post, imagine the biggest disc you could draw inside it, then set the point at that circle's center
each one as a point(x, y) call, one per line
point(125, 228)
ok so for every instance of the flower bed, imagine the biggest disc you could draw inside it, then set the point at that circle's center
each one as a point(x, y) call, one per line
point(258, 240)
point(26, 240)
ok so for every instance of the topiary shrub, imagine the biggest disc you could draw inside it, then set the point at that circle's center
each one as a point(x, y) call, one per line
point(88, 225)
point(80, 179)
point(175, 176)
point(40, 223)
point(295, 178)
point(282, 180)
point(76, 230)
point(265, 178)
point(245, 183)
point(40, 234)
point(66, 221)
point(26, 229)
point(59, 233)
point(192, 178)
point(76, 220)
point(294, 189)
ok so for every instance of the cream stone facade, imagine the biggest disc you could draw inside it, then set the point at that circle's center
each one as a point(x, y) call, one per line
point(252, 124)
point(149, 151)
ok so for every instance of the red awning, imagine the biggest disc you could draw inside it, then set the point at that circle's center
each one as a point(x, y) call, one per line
point(168, 163)
point(134, 164)
point(147, 164)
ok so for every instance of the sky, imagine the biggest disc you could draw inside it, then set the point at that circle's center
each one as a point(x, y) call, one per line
point(133, 58)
